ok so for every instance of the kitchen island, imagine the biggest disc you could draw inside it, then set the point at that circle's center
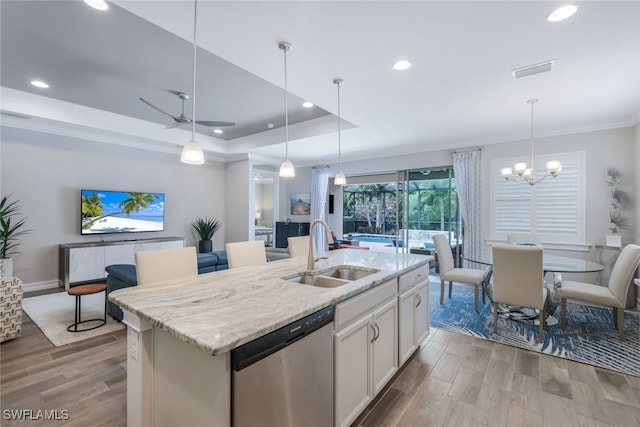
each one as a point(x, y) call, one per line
point(181, 332)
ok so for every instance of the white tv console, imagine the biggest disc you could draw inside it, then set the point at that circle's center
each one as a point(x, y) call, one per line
point(85, 262)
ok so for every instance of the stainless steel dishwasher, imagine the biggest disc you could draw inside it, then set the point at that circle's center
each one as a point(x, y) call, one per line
point(285, 378)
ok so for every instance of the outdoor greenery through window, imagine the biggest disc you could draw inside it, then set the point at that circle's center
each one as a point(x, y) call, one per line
point(387, 214)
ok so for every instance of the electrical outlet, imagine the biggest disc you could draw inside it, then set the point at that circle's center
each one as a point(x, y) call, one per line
point(133, 342)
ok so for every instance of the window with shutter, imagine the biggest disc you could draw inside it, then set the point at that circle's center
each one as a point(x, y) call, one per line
point(554, 209)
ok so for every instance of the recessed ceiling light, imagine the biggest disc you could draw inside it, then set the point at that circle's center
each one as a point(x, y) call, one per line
point(270, 125)
point(40, 84)
point(98, 4)
point(401, 65)
point(217, 131)
point(562, 13)
point(307, 104)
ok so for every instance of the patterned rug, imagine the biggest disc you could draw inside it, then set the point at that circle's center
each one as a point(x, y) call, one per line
point(590, 336)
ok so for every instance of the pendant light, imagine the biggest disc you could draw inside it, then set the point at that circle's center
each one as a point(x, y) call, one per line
point(192, 153)
point(340, 178)
point(522, 170)
point(286, 168)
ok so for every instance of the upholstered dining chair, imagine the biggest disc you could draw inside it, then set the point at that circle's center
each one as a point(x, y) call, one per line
point(241, 254)
point(298, 246)
point(166, 264)
point(515, 238)
point(614, 295)
point(450, 273)
point(518, 280)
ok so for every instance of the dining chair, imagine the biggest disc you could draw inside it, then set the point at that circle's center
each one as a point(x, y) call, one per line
point(166, 264)
point(241, 254)
point(450, 273)
point(298, 246)
point(614, 295)
point(515, 238)
point(518, 280)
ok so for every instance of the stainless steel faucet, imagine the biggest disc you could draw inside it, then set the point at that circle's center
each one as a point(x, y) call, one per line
point(312, 257)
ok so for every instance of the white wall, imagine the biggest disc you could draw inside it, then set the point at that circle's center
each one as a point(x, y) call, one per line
point(47, 172)
point(240, 202)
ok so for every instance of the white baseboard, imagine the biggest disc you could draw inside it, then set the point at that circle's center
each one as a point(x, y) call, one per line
point(38, 286)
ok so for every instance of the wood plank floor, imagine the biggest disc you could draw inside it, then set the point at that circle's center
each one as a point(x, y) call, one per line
point(454, 380)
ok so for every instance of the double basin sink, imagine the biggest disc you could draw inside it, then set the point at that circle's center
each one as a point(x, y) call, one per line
point(333, 277)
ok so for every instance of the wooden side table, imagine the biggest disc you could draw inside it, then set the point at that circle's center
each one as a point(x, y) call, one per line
point(78, 292)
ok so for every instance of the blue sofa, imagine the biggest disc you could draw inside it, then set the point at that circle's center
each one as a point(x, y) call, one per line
point(121, 276)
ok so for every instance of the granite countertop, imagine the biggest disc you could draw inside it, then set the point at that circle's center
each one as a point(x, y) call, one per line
point(219, 311)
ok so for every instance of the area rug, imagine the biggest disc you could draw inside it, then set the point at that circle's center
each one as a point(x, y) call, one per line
point(52, 313)
point(590, 336)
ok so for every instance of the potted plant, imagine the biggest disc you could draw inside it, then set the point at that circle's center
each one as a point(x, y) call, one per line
point(205, 227)
point(619, 201)
point(11, 227)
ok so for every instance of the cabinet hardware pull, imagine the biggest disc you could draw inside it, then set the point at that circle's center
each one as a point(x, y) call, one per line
point(377, 332)
point(419, 299)
point(373, 328)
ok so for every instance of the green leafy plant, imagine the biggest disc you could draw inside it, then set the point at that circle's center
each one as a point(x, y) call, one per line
point(206, 227)
point(11, 226)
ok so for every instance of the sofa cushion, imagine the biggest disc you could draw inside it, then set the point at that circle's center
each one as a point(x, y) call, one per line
point(123, 272)
point(207, 260)
point(222, 259)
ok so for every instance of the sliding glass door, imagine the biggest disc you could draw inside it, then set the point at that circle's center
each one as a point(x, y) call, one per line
point(402, 212)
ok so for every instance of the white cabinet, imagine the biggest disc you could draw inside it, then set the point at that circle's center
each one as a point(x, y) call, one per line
point(384, 344)
point(85, 262)
point(365, 348)
point(413, 306)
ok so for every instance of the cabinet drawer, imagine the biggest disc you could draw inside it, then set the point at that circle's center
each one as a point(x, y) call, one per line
point(364, 303)
point(412, 277)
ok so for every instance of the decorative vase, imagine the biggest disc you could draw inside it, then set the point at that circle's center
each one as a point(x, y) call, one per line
point(6, 267)
point(205, 246)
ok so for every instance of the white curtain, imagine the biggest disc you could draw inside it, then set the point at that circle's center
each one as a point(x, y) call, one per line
point(319, 191)
point(467, 167)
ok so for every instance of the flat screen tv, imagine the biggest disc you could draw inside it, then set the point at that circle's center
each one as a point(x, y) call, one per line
point(105, 212)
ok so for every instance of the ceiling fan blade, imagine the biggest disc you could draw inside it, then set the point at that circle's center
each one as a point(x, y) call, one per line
point(214, 124)
point(160, 110)
point(174, 125)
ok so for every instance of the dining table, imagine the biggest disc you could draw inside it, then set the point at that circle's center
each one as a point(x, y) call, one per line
point(556, 264)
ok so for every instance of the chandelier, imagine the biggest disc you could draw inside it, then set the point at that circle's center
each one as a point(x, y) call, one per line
point(522, 170)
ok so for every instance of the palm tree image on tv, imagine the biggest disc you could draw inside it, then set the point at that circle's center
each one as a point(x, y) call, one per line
point(121, 212)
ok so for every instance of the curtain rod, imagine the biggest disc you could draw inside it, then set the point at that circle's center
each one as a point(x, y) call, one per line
point(466, 150)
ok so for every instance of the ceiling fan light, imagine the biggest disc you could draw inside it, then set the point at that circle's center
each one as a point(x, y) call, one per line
point(340, 179)
point(192, 153)
point(287, 170)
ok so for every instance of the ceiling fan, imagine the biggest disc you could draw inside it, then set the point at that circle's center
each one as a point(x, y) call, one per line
point(182, 119)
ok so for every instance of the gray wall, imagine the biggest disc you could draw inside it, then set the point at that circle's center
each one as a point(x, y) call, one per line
point(47, 172)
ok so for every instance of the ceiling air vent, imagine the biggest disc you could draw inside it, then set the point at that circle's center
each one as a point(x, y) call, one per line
point(530, 70)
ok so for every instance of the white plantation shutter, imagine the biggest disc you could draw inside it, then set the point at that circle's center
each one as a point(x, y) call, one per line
point(553, 209)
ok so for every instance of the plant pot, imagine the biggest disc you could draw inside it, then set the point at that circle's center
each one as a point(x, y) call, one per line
point(6, 267)
point(205, 246)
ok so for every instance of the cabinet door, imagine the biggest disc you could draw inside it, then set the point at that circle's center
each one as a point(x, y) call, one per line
point(406, 340)
point(86, 264)
point(421, 313)
point(385, 345)
point(352, 360)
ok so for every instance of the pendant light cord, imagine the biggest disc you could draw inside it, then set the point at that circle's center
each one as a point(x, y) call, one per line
point(286, 109)
point(532, 101)
point(339, 141)
point(193, 87)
